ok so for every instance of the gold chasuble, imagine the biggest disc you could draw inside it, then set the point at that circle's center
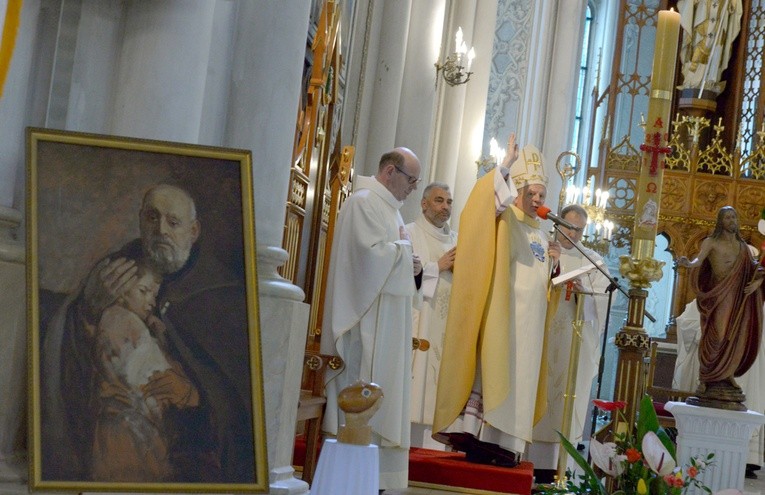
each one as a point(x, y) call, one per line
point(480, 324)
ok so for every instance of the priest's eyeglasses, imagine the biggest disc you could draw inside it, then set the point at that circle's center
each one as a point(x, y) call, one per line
point(412, 179)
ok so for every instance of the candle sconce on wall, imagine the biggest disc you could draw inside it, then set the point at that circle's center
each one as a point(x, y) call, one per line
point(456, 68)
point(487, 163)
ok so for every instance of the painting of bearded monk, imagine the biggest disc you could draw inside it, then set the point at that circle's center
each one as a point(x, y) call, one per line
point(181, 415)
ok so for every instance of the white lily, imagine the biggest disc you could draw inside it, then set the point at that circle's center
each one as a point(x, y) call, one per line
point(656, 455)
point(605, 457)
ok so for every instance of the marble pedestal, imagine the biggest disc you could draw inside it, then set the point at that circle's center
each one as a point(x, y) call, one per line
point(346, 468)
point(702, 430)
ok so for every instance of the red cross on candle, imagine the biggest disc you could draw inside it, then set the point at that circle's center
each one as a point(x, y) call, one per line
point(655, 151)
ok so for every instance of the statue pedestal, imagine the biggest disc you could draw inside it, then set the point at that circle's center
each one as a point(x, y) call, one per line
point(702, 430)
point(697, 105)
point(347, 468)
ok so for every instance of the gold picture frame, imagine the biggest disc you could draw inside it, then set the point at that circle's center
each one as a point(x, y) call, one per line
point(145, 366)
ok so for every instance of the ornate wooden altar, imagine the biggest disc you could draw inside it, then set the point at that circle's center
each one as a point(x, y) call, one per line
point(319, 183)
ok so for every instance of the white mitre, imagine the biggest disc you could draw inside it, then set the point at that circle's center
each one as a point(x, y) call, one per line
point(529, 168)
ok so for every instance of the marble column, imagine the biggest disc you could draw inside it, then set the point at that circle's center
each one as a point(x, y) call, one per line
point(269, 51)
point(15, 112)
point(162, 72)
point(387, 80)
point(13, 351)
point(14, 116)
point(462, 109)
point(561, 99)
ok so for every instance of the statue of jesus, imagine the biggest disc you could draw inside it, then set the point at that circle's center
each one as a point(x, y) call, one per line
point(728, 295)
point(709, 28)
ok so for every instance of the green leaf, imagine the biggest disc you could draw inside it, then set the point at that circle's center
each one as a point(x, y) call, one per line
point(596, 485)
point(647, 420)
point(667, 442)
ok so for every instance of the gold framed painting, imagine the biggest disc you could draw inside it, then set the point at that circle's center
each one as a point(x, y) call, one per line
point(145, 367)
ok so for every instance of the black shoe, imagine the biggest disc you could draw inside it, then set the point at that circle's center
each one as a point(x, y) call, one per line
point(490, 453)
point(461, 442)
point(545, 475)
point(750, 471)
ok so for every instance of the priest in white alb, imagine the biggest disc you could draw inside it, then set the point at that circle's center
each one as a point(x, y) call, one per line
point(368, 309)
point(491, 371)
point(434, 242)
point(591, 288)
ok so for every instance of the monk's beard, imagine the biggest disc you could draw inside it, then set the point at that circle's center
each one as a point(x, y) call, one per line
point(164, 255)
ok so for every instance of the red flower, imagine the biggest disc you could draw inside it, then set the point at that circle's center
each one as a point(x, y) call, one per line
point(633, 455)
point(692, 471)
point(673, 480)
point(605, 405)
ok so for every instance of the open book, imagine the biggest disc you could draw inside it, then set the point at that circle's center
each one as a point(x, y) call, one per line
point(565, 277)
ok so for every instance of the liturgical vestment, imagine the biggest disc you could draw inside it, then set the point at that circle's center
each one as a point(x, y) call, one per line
point(368, 318)
point(546, 440)
point(429, 319)
point(495, 336)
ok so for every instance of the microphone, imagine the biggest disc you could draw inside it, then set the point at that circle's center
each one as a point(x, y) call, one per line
point(544, 213)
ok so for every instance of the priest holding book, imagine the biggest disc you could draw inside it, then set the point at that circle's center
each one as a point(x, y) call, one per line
point(591, 288)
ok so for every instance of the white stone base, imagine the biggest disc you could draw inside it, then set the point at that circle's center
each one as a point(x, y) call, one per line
point(702, 430)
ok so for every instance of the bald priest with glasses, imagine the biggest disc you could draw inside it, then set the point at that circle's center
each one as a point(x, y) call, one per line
point(368, 309)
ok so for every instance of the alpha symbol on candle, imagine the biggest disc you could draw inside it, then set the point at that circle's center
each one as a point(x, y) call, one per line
point(655, 151)
point(658, 124)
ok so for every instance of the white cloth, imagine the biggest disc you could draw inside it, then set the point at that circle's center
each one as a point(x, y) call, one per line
point(368, 318)
point(686, 375)
point(133, 353)
point(709, 29)
point(510, 425)
point(429, 319)
point(345, 468)
point(559, 352)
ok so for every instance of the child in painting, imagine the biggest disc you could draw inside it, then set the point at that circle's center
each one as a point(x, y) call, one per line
point(128, 442)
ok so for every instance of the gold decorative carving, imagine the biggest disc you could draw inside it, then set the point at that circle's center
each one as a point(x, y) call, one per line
point(709, 197)
point(680, 156)
point(622, 193)
point(641, 272)
point(750, 201)
point(715, 159)
point(335, 363)
point(633, 340)
point(314, 362)
point(624, 156)
point(674, 195)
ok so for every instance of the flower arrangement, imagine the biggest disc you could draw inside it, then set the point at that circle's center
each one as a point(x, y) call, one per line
point(641, 462)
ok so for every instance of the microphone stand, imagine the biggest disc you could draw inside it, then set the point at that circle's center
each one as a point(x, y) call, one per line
point(602, 362)
point(613, 285)
point(602, 270)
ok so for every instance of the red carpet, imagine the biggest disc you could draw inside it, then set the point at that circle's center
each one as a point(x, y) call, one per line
point(451, 469)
